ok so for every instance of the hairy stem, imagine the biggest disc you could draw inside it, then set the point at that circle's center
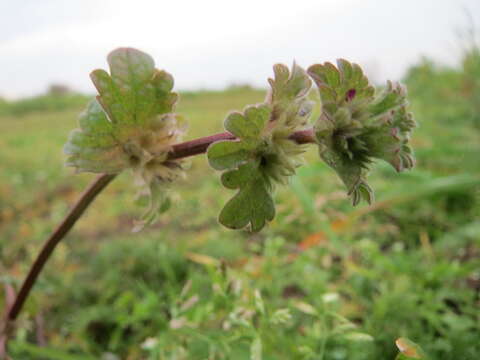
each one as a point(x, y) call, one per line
point(182, 150)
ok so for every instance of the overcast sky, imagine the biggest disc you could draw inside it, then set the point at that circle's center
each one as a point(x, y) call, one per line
point(211, 44)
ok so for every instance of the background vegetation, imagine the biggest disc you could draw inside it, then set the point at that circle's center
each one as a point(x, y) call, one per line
point(324, 281)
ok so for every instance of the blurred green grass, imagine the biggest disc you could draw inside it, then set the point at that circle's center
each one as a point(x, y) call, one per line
point(352, 279)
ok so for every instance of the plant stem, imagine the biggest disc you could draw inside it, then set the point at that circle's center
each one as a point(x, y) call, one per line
point(182, 150)
point(199, 146)
point(70, 219)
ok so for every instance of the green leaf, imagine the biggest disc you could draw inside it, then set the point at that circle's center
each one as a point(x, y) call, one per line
point(135, 91)
point(288, 97)
point(248, 127)
point(356, 125)
point(227, 154)
point(351, 172)
point(341, 86)
point(388, 134)
point(253, 204)
point(129, 93)
point(93, 147)
point(250, 124)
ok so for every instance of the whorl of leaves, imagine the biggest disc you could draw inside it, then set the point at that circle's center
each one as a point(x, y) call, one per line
point(263, 154)
point(357, 125)
point(130, 125)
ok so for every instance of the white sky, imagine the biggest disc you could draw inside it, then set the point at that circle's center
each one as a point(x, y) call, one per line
point(211, 44)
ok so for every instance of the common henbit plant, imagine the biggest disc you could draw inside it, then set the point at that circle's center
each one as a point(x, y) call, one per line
point(132, 125)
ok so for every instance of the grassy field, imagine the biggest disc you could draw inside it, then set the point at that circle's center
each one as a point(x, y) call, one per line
point(322, 281)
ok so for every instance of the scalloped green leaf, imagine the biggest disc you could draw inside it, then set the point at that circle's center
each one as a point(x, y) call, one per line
point(134, 92)
point(288, 86)
point(127, 93)
point(224, 155)
point(250, 124)
point(389, 140)
point(391, 97)
point(344, 85)
point(288, 97)
point(253, 204)
point(93, 147)
point(248, 127)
